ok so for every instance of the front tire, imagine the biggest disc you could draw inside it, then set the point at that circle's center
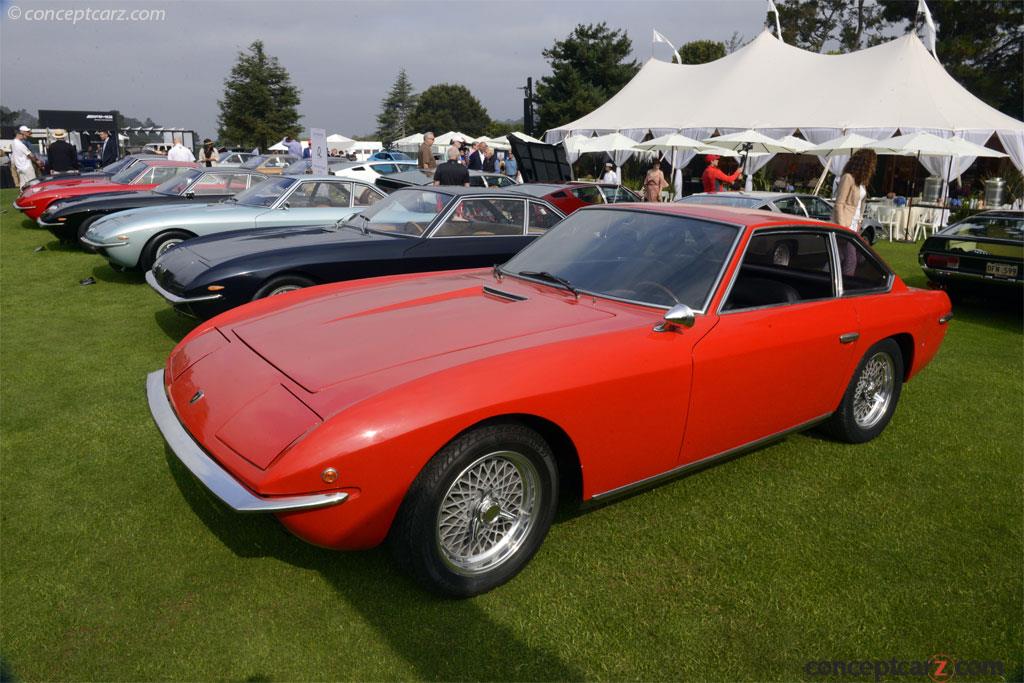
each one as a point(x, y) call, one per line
point(83, 228)
point(159, 245)
point(478, 511)
point(282, 285)
point(870, 399)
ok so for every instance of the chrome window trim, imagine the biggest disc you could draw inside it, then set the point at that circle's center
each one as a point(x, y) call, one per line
point(837, 272)
point(740, 228)
point(442, 216)
point(284, 198)
point(555, 210)
point(785, 229)
point(889, 279)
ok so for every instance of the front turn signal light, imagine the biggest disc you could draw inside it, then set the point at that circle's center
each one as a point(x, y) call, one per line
point(330, 475)
point(214, 288)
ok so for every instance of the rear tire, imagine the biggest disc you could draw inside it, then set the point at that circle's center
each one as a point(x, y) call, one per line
point(158, 245)
point(870, 399)
point(282, 285)
point(478, 511)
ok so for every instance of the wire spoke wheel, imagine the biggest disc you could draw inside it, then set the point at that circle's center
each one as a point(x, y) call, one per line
point(487, 512)
point(166, 246)
point(874, 390)
point(284, 289)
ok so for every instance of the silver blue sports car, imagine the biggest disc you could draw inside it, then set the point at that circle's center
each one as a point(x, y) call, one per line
point(137, 238)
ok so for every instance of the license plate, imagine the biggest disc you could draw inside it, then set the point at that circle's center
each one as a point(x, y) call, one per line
point(1001, 269)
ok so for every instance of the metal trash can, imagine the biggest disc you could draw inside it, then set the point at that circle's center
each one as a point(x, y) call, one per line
point(995, 190)
point(932, 192)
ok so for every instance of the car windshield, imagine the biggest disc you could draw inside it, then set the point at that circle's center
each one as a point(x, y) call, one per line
point(120, 164)
point(129, 173)
point(176, 185)
point(299, 167)
point(266, 193)
point(722, 200)
point(406, 212)
point(999, 227)
point(650, 258)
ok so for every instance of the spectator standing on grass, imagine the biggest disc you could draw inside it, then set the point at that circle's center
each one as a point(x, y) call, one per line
point(61, 156)
point(208, 155)
point(610, 176)
point(22, 159)
point(108, 149)
point(848, 208)
point(654, 183)
point(426, 159)
point(179, 152)
point(451, 172)
point(714, 178)
point(490, 161)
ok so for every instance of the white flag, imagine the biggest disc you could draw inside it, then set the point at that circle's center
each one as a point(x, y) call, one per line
point(773, 9)
point(929, 26)
point(658, 38)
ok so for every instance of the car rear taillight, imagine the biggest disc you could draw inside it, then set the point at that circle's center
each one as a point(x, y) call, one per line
point(941, 261)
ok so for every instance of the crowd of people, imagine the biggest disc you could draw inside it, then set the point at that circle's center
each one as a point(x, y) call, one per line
point(461, 157)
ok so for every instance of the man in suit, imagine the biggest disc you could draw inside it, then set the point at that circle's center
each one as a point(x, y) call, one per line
point(61, 156)
point(476, 159)
point(108, 149)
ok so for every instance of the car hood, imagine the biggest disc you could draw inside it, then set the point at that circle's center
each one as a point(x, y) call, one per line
point(101, 199)
point(172, 215)
point(338, 337)
point(217, 249)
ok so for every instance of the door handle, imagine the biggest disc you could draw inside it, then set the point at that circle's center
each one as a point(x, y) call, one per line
point(849, 337)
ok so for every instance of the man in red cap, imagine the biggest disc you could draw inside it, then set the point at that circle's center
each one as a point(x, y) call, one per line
point(713, 178)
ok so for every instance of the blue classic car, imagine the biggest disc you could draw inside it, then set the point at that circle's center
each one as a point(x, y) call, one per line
point(138, 237)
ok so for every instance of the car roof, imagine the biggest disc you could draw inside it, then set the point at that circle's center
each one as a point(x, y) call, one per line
point(164, 162)
point(460, 190)
point(310, 176)
point(722, 214)
point(754, 194)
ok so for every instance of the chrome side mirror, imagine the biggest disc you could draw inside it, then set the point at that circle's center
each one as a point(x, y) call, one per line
point(679, 315)
point(190, 195)
point(285, 206)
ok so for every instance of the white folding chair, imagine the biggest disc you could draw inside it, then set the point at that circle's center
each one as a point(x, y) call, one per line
point(885, 214)
point(926, 220)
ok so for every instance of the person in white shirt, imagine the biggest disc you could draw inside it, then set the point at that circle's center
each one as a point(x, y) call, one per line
point(610, 176)
point(22, 157)
point(180, 152)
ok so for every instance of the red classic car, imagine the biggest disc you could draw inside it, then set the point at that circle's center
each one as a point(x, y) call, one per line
point(447, 412)
point(142, 175)
point(570, 196)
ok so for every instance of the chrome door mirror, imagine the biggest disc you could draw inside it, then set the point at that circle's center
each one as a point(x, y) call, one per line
point(679, 315)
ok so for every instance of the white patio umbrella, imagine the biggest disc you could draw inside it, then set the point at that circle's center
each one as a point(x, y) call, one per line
point(410, 143)
point(677, 145)
point(799, 145)
point(617, 145)
point(446, 139)
point(750, 142)
point(844, 145)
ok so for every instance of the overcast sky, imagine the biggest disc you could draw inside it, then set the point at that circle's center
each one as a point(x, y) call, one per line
point(343, 55)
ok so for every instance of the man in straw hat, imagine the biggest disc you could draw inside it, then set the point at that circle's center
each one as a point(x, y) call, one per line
point(61, 156)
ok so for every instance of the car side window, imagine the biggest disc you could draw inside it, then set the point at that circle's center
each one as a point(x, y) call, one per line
point(789, 205)
point(816, 208)
point(145, 178)
point(616, 195)
point(862, 272)
point(385, 169)
point(365, 196)
point(211, 184)
point(780, 268)
point(541, 219)
point(484, 217)
point(589, 194)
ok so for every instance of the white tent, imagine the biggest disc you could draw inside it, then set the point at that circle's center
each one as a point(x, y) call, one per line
point(410, 143)
point(339, 141)
point(777, 89)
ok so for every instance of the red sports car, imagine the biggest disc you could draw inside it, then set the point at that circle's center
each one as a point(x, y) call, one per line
point(446, 412)
point(570, 196)
point(142, 175)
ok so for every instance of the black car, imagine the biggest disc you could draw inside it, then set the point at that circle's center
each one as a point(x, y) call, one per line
point(986, 249)
point(412, 230)
point(69, 219)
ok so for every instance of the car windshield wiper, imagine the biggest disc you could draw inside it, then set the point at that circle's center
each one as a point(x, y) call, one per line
point(551, 277)
point(345, 223)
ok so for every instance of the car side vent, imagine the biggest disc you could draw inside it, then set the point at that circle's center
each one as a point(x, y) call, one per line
point(507, 296)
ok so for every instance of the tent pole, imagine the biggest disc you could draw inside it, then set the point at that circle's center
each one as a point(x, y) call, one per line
point(824, 172)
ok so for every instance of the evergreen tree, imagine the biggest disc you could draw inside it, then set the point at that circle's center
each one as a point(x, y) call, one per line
point(701, 51)
point(444, 107)
point(260, 103)
point(396, 110)
point(587, 68)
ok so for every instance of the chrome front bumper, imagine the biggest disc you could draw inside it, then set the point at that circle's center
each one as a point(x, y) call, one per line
point(101, 245)
point(212, 475)
point(43, 224)
point(174, 298)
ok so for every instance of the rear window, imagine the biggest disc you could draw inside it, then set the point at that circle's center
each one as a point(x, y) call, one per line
point(722, 200)
point(998, 227)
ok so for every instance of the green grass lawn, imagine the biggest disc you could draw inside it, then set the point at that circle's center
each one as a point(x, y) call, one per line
point(117, 565)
